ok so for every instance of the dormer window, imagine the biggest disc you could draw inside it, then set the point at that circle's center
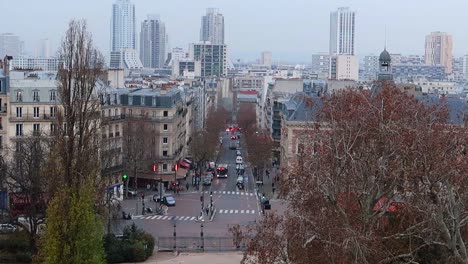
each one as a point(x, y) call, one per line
point(36, 96)
point(19, 96)
point(53, 95)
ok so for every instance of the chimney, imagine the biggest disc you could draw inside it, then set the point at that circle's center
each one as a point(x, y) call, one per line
point(6, 64)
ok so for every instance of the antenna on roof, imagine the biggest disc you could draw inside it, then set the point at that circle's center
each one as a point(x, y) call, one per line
point(385, 44)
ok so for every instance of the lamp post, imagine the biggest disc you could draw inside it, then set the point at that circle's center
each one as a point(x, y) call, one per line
point(175, 245)
point(211, 201)
point(202, 238)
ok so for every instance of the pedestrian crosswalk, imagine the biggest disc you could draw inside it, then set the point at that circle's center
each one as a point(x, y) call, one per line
point(235, 211)
point(164, 217)
point(231, 193)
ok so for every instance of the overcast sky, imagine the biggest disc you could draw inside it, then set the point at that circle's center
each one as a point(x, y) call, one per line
point(291, 29)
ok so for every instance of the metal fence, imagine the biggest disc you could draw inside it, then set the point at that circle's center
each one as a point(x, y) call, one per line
point(199, 244)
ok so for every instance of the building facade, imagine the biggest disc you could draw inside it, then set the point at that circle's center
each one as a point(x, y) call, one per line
point(123, 26)
point(35, 63)
point(321, 64)
point(439, 50)
point(10, 45)
point(161, 116)
point(212, 27)
point(406, 72)
point(344, 67)
point(186, 68)
point(266, 59)
point(153, 42)
point(342, 31)
point(126, 59)
point(213, 58)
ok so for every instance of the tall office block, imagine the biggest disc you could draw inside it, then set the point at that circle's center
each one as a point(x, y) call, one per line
point(213, 58)
point(153, 42)
point(266, 58)
point(439, 50)
point(10, 45)
point(342, 31)
point(123, 26)
point(212, 27)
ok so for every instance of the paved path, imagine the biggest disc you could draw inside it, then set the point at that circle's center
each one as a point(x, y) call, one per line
point(196, 258)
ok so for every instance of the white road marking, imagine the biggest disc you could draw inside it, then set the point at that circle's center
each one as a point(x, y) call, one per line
point(221, 211)
point(193, 218)
point(224, 192)
point(229, 192)
point(242, 211)
point(235, 211)
point(159, 217)
point(164, 218)
point(187, 218)
point(247, 211)
point(253, 211)
point(154, 217)
point(237, 193)
point(231, 211)
point(242, 193)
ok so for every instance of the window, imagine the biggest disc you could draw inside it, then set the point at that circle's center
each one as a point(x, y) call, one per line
point(165, 153)
point(53, 95)
point(36, 129)
point(52, 128)
point(165, 127)
point(1, 142)
point(53, 111)
point(19, 96)
point(35, 96)
point(165, 140)
point(19, 111)
point(19, 130)
point(164, 167)
point(36, 111)
point(165, 113)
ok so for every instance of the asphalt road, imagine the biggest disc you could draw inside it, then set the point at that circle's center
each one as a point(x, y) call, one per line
point(233, 206)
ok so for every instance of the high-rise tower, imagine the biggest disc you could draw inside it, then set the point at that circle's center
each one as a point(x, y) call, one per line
point(212, 27)
point(342, 31)
point(123, 26)
point(153, 42)
point(439, 50)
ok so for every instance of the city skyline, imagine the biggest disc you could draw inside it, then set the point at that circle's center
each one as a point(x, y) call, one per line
point(290, 32)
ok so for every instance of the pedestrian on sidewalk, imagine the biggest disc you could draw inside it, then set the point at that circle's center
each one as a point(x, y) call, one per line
point(268, 174)
point(187, 185)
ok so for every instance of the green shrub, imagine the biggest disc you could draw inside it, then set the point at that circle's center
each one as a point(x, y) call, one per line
point(135, 246)
point(24, 257)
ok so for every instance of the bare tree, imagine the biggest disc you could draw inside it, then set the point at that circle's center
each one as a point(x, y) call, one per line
point(23, 167)
point(379, 179)
point(138, 145)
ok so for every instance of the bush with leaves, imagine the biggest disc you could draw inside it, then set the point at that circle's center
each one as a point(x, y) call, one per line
point(135, 246)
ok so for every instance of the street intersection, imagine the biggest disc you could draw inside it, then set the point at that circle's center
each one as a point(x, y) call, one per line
point(232, 206)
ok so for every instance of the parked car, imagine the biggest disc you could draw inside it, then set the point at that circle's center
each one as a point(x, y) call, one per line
point(233, 137)
point(167, 200)
point(238, 153)
point(240, 179)
point(7, 228)
point(238, 160)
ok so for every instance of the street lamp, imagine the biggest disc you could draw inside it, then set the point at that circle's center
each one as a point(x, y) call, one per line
point(211, 201)
point(202, 239)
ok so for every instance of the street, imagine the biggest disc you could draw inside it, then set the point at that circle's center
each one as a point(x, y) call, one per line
point(232, 206)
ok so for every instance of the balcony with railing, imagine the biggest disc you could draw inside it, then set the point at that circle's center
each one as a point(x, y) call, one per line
point(137, 117)
point(3, 110)
point(34, 118)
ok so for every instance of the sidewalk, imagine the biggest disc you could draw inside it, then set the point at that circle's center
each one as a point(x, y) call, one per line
point(195, 258)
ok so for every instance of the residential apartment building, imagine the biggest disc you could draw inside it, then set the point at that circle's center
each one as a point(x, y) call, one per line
point(161, 115)
point(4, 102)
point(321, 64)
point(344, 67)
point(126, 59)
point(32, 107)
point(186, 68)
point(404, 72)
point(342, 31)
point(213, 58)
point(249, 83)
point(439, 50)
point(212, 27)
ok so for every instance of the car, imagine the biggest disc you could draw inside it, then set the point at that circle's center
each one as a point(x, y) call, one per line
point(167, 200)
point(7, 228)
point(207, 181)
point(240, 179)
point(238, 153)
point(132, 192)
point(240, 166)
point(239, 160)
point(233, 137)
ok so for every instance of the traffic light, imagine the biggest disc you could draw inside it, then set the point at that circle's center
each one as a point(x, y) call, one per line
point(124, 177)
point(155, 168)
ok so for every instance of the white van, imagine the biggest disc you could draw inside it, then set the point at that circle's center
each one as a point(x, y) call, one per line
point(238, 160)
